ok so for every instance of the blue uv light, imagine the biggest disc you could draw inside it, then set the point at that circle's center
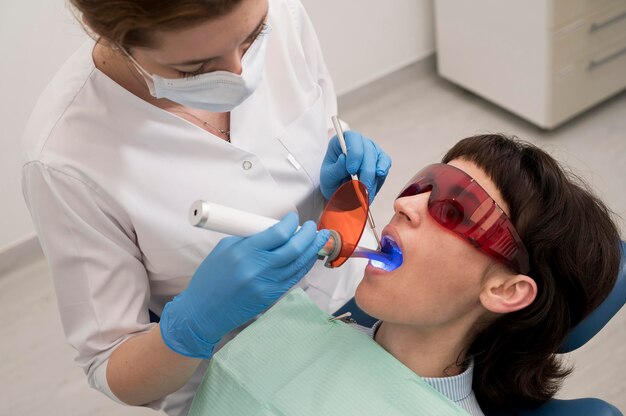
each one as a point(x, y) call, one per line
point(389, 258)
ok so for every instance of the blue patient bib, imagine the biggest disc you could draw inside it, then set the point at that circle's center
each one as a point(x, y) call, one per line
point(294, 361)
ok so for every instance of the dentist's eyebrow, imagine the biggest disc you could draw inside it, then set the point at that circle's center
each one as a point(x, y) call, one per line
point(256, 30)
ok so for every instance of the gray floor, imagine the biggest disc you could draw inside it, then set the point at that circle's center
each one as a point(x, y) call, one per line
point(415, 116)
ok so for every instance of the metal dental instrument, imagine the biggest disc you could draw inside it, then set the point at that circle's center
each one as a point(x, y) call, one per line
point(344, 149)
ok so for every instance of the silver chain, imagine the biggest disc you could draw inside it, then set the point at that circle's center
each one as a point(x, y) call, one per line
point(205, 123)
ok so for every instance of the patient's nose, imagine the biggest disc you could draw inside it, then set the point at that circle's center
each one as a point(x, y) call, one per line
point(412, 208)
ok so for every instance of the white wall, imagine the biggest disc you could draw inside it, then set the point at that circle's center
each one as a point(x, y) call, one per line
point(36, 37)
point(362, 40)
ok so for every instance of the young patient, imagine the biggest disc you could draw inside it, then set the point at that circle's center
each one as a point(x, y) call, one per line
point(479, 315)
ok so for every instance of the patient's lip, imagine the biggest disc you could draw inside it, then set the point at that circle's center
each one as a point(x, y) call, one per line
point(390, 232)
point(390, 245)
point(373, 270)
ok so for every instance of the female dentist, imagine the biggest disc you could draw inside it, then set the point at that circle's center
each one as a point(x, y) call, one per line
point(223, 100)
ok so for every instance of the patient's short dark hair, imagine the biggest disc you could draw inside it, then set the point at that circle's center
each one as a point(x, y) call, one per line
point(574, 252)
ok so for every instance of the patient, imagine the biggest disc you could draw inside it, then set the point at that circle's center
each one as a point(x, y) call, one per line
point(484, 298)
point(480, 316)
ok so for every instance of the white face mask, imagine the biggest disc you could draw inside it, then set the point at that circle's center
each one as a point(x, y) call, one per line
point(217, 91)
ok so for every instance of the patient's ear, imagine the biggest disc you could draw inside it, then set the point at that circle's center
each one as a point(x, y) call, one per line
point(508, 293)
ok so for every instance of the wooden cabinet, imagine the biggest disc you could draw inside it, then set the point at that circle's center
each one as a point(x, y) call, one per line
point(545, 60)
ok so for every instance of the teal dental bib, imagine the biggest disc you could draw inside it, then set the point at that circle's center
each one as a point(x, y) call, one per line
point(294, 361)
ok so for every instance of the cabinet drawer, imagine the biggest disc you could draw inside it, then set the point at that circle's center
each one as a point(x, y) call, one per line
point(589, 34)
point(589, 80)
point(566, 11)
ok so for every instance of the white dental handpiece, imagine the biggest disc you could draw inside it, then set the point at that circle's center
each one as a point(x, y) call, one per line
point(226, 220)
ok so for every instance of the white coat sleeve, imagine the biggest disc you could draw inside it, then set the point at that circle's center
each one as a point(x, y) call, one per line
point(317, 64)
point(100, 282)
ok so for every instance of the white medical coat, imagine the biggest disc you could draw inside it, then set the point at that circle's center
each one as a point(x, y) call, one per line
point(109, 180)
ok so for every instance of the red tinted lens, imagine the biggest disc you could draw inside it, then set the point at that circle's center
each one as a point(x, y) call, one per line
point(346, 213)
point(460, 204)
point(451, 202)
point(448, 213)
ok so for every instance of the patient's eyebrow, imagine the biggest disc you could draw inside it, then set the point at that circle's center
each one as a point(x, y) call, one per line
point(464, 193)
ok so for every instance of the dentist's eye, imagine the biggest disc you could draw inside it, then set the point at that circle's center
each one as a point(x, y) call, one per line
point(263, 30)
point(184, 74)
point(189, 74)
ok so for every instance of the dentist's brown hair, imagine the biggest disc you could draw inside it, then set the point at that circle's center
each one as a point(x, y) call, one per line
point(133, 23)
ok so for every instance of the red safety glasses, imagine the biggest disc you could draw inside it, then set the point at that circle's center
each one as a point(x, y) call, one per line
point(461, 205)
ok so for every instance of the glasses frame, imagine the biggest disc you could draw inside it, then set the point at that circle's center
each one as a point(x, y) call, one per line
point(484, 224)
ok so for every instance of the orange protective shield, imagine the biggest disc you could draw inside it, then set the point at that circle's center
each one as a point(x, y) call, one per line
point(346, 213)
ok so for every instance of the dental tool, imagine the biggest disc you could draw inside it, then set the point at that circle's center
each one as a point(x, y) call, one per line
point(344, 149)
point(231, 221)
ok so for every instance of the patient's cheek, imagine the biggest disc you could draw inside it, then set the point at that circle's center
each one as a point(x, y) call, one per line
point(362, 297)
point(369, 299)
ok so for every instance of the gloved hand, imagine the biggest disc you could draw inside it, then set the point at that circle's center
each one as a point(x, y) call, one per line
point(238, 280)
point(365, 159)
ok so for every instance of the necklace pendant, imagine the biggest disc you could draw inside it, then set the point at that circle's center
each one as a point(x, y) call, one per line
point(206, 124)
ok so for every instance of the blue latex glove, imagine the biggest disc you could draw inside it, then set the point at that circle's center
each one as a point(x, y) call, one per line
point(365, 159)
point(238, 280)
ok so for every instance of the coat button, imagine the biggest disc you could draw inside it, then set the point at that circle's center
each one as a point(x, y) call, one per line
point(247, 165)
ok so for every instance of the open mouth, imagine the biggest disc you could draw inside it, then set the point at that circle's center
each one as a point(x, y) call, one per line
point(393, 252)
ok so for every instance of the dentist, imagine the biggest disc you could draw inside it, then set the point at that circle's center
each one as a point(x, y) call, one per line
point(224, 100)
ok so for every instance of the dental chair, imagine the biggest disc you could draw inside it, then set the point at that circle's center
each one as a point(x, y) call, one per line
point(579, 335)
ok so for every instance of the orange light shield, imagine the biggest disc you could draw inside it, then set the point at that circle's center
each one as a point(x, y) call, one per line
point(346, 213)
